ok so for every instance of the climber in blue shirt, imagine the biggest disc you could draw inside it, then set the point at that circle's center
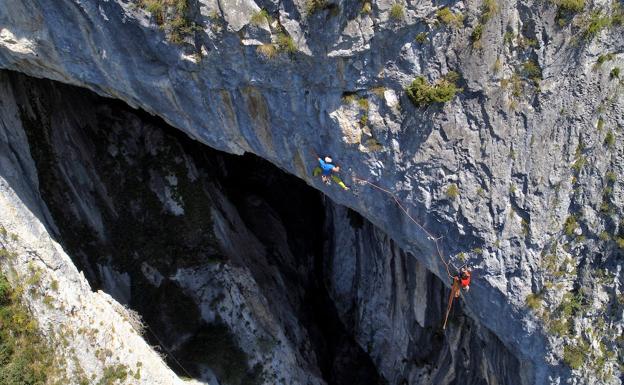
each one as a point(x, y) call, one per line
point(327, 167)
point(327, 171)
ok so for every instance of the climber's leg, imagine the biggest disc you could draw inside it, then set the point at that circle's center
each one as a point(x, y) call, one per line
point(339, 181)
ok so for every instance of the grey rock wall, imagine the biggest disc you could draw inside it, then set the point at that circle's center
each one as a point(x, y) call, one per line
point(525, 158)
point(284, 304)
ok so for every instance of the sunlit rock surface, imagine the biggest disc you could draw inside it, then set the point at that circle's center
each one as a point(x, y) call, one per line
point(526, 155)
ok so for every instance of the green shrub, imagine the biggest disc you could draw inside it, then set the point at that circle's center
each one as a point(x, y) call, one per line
point(286, 43)
point(5, 291)
point(25, 357)
point(508, 37)
point(363, 104)
point(604, 58)
point(363, 120)
point(498, 65)
point(596, 23)
point(532, 71)
point(260, 17)
point(600, 124)
point(574, 355)
point(313, 6)
point(397, 12)
point(570, 5)
point(534, 301)
point(172, 15)
point(450, 18)
point(516, 84)
point(578, 164)
point(570, 225)
point(421, 92)
point(570, 305)
point(267, 51)
point(610, 176)
point(525, 42)
point(489, 8)
point(609, 139)
point(112, 374)
point(367, 8)
point(155, 7)
point(559, 327)
point(421, 37)
point(349, 97)
point(452, 191)
point(476, 35)
point(615, 73)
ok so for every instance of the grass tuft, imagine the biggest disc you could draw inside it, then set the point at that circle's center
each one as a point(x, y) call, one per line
point(397, 12)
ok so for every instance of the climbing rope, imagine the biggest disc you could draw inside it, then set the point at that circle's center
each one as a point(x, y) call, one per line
point(454, 290)
point(422, 227)
point(168, 351)
point(455, 287)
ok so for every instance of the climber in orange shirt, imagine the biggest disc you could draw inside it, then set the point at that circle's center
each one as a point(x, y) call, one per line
point(462, 280)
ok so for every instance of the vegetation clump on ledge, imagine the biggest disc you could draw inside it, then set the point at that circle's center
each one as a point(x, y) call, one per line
point(25, 358)
point(397, 12)
point(570, 5)
point(283, 44)
point(313, 6)
point(450, 18)
point(260, 17)
point(172, 16)
point(423, 93)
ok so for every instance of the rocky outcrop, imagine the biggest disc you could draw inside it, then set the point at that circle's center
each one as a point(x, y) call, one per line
point(92, 335)
point(532, 142)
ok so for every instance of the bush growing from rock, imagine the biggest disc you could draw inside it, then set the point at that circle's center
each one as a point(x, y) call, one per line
point(286, 43)
point(450, 18)
point(574, 354)
point(260, 17)
point(397, 12)
point(452, 191)
point(570, 5)
point(421, 92)
point(313, 6)
point(615, 73)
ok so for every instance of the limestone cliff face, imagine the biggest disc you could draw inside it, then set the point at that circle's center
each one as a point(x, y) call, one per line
point(533, 141)
point(236, 282)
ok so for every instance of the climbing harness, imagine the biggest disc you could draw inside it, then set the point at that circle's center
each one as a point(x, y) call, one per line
point(459, 281)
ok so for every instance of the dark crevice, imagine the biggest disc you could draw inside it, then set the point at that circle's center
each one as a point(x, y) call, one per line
point(126, 147)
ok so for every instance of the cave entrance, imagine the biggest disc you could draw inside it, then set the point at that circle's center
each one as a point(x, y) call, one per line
point(178, 231)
